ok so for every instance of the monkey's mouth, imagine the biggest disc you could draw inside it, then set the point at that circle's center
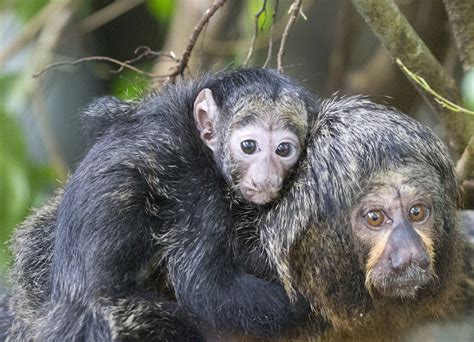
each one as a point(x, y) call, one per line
point(405, 284)
point(257, 196)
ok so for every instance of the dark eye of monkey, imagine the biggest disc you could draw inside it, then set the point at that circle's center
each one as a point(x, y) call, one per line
point(375, 218)
point(248, 146)
point(283, 150)
point(418, 213)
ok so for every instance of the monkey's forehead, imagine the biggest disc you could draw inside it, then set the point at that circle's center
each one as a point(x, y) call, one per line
point(284, 98)
point(261, 106)
point(411, 179)
point(271, 119)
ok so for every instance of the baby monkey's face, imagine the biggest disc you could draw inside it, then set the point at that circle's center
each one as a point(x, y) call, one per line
point(395, 223)
point(262, 157)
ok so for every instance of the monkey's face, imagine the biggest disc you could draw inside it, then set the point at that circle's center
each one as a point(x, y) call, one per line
point(262, 157)
point(394, 222)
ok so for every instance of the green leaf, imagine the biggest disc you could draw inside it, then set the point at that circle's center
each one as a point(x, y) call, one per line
point(265, 19)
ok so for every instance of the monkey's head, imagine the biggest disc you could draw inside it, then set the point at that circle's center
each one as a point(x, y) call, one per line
point(255, 123)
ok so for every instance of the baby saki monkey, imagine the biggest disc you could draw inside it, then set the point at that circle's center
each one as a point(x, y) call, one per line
point(375, 245)
point(154, 200)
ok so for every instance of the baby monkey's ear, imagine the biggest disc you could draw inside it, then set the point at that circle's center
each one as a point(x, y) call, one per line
point(205, 115)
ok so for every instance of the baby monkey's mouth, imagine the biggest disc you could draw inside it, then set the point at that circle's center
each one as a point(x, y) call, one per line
point(259, 196)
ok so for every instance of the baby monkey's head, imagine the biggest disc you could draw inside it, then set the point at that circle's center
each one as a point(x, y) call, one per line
point(256, 131)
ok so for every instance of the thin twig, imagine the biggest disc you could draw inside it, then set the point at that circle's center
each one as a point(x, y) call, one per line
point(96, 58)
point(270, 40)
point(254, 38)
point(438, 98)
point(107, 14)
point(228, 47)
point(146, 52)
point(179, 70)
point(142, 51)
point(294, 10)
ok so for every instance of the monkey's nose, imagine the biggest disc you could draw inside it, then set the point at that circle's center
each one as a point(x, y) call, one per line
point(402, 260)
point(399, 263)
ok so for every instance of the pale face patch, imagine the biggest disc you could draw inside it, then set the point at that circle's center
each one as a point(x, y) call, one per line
point(263, 157)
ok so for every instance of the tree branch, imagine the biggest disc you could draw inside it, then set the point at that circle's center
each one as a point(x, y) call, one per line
point(255, 33)
point(461, 17)
point(145, 52)
point(194, 36)
point(270, 39)
point(295, 9)
point(396, 34)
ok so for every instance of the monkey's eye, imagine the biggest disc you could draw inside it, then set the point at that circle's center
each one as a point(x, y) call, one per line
point(418, 213)
point(248, 146)
point(375, 218)
point(283, 150)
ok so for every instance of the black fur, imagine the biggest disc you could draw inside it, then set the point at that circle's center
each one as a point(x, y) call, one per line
point(148, 203)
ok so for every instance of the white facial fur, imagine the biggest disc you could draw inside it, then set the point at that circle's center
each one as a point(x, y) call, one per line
point(263, 171)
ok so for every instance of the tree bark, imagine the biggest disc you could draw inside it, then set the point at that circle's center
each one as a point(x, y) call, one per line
point(461, 17)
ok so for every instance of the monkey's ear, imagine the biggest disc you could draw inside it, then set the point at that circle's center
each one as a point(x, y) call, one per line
point(205, 115)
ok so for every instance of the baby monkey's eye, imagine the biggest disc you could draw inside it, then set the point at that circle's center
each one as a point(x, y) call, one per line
point(375, 218)
point(283, 150)
point(248, 146)
point(418, 213)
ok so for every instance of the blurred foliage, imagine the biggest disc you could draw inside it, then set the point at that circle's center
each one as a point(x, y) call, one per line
point(22, 183)
point(24, 9)
point(161, 9)
point(467, 88)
